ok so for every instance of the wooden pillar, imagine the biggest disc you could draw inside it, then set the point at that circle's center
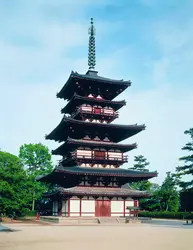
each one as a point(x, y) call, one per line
point(80, 207)
point(135, 203)
point(69, 207)
point(124, 207)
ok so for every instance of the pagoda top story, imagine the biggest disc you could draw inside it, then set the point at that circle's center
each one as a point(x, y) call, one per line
point(80, 83)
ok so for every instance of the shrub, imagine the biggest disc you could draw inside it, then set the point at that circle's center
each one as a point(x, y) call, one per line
point(30, 213)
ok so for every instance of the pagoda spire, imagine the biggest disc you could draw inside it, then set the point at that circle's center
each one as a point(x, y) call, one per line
point(91, 49)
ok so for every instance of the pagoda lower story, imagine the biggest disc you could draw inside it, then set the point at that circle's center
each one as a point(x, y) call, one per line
point(94, 205)
point(94, 192)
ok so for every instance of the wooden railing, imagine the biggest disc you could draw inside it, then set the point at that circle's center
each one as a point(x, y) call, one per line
point(101, 111)
point(100, 158)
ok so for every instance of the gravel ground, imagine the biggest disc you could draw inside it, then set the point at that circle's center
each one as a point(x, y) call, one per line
point(96, 237)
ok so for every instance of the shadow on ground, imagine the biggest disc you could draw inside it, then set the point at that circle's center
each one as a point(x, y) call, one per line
point(4, 229)
point(169, 223)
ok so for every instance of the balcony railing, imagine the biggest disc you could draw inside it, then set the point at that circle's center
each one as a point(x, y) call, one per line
point(96, 111)
point(100, 158)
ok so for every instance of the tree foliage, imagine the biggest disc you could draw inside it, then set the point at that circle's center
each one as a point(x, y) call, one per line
point(36, 158)
point(153, 202)
point(37, 161)
point(164, 197)
point(13, 185)
point(187, 168)
point(140, 164)
point(168, 195)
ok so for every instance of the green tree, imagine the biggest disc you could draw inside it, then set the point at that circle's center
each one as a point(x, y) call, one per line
point(187, 169)
point(37, 160)
point(13, 185)
point(140, 164)
point(168, 195)
point(152, 203)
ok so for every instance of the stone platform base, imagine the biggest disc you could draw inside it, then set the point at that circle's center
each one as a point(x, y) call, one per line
point(89, 220)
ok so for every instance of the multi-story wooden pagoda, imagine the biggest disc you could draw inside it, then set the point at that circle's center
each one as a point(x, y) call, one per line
point(90, 180)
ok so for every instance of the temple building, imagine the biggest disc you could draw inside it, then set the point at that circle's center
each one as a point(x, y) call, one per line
point(90, 181)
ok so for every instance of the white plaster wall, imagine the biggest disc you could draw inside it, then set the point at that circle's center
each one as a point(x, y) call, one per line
point(115, 155)
point(129, 203)
point(75, 206)
point(117, 208)
point(85, 153)
point(88, 206)
point(86, 108)
point(108, 111)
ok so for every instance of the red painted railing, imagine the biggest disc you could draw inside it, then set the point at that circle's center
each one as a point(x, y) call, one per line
point(100, 158)
point(97, 111)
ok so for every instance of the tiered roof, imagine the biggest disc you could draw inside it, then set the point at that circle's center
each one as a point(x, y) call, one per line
point(63, 175)
point(71, 144)
point(81, 83)
point(69, 127)
point(99, 191)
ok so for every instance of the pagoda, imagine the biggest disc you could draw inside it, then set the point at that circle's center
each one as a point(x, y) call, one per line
point(89, 179)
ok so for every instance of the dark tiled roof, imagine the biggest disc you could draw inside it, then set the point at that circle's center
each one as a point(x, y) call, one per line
point(91, 76)
point(100, 191)
point(71, 176)
point(74, 143)
point(117, 132)
point(77, 100)
point(105, 171)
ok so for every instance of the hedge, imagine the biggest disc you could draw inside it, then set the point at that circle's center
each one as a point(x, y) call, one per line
point(167, 215)
point(30, 213)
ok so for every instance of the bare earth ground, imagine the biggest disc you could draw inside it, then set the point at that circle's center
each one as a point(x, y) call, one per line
point(142, 237)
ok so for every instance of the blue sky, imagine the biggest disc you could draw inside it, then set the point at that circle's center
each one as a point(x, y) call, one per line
point(149, 42)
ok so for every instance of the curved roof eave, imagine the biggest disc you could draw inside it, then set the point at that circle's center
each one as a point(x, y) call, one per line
point(97, 78)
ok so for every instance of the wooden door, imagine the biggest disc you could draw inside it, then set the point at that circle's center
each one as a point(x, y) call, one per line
point(103, 208)
point(99, 154)
point(97, 110)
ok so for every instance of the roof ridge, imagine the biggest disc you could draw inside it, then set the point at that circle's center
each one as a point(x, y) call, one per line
point(93, 141)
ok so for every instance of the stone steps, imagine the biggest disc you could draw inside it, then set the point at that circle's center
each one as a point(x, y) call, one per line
point(109, 220)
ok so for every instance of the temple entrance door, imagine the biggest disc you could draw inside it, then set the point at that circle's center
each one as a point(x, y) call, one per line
point(103, 208)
